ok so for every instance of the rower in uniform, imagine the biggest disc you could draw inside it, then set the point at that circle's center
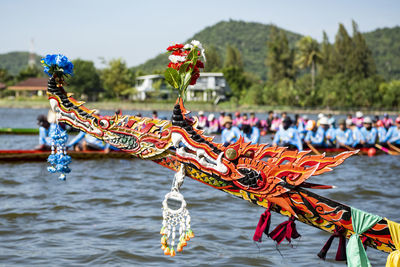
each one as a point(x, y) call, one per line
point(317, 136)
point(343, 135)
point(393, 134)
point(44, 139)
point(381, 131)
point(369, 133)
point(288, 136)
point(358, 138)
point(231, 133)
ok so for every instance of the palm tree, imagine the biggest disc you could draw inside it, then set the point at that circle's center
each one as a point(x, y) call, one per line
point(308, 56)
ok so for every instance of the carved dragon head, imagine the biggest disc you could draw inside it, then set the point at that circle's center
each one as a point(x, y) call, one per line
point(142, 137)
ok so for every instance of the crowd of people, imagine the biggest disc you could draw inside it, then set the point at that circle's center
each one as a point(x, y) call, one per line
point(324, 132)
point(298, 133)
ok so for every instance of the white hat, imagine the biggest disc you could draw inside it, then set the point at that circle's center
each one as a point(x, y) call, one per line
point(349, 122)
point(321, 115)
point(201, 113)
point(305, 117)
point(367, 120)
point(359, 114)
point(211, 117)
point(324, 121)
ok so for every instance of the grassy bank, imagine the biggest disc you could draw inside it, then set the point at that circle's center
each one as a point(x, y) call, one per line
point(42, 102)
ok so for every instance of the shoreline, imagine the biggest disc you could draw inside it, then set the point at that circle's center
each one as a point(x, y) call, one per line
point(37, 103)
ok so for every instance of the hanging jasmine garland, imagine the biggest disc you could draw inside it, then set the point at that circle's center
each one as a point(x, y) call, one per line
point(58, 66)
point(58, 158)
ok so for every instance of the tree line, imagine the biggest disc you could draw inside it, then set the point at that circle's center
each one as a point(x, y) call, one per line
point(338, 75)
point(116, 80)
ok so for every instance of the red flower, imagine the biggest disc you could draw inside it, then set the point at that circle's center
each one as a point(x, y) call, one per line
point(174, 65)
point(200, 64)
point(177, 53)
point(175, 47)
point(195, 76)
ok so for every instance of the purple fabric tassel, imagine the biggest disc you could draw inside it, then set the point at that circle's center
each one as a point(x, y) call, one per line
point(285, 230)
point(263, 224)
point(341, 252)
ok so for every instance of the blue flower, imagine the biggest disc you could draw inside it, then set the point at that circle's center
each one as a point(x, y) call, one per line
point(49, 60)
point(61, 60)
point(68, 68)
point(51, 169)
point(57, 63)
point(52, 159)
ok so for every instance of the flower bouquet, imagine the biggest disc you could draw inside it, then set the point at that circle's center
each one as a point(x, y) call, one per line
point(57, 66)
point(184, 66)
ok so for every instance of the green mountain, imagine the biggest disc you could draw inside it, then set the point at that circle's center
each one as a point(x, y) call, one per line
point(14, 62)
point(249, 37)
point(385, 46)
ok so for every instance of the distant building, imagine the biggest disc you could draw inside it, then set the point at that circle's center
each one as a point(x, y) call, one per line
point(30, 87)
point(2, 86)
point(148, 85)
point(209, 87)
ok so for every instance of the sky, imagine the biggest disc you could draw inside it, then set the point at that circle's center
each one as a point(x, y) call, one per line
point(139, 30)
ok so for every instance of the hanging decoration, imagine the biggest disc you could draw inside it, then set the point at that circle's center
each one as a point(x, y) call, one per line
point(58, 158)
point(58, 67)
point(355, 252)
point(174, 219)
point(393, 260)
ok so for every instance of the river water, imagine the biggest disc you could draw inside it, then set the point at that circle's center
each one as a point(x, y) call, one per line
point(108, 212)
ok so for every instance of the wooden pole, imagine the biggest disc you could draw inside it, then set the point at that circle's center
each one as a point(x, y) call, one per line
point(313, 148)
point(388, 151)
point(393, 147)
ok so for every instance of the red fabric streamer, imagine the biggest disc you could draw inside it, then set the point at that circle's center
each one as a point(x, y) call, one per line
point(341, 252)
point(285, 230)
point(263, 224)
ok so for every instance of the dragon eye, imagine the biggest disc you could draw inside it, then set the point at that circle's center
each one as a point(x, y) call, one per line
point(104, 124)
point(231, 154)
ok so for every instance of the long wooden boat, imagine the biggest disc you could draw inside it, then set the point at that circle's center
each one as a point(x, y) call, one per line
point(22, 131)
point(40, 155)
point(362, 151)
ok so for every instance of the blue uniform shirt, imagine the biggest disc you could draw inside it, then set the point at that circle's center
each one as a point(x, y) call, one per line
point(330, 136)
point(89, 139)
point(231, 135)
point(44, 138)
point(393, 135)
point(369, 136)
point(357, 136)
point(344, 137)
point(289, 136)
point(317, 137)
point(254, 136)
point(381, 133)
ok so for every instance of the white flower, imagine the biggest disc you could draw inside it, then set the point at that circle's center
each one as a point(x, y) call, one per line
point(176, 59)
point(188, 46)
point(200, 47)
point(197, 43)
